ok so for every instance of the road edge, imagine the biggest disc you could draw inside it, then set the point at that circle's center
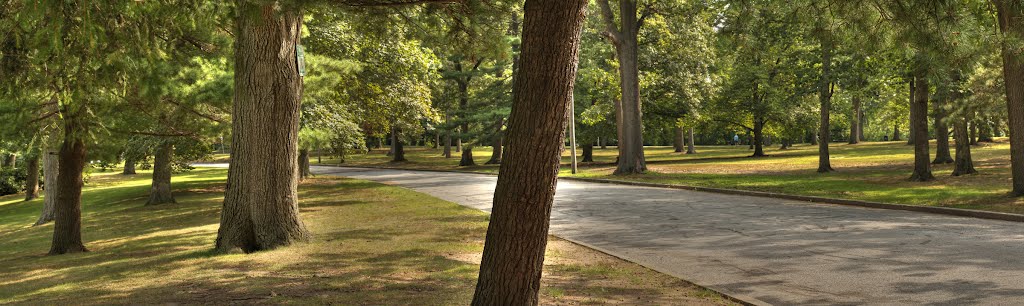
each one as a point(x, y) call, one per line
point(959, 212)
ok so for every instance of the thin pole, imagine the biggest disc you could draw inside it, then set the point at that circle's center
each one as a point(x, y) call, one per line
point(572, 133)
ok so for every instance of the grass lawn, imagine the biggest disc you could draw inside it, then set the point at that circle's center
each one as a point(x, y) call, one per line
point(373, 244)
point(873, 171)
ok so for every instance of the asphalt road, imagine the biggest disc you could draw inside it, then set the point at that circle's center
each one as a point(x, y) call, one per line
point(770, 251)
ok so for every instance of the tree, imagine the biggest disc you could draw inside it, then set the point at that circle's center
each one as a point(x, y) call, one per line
point(261, 209)
point(513, 254)
point(627, 111)
point(919, 119)
point(51, 168)
point(1010, 14)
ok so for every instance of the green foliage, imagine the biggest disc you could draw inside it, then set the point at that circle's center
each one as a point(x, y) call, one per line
point(12, 180)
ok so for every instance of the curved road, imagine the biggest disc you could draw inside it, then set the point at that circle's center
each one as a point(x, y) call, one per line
point(770, 251)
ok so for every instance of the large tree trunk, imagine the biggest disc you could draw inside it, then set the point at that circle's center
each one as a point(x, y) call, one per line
point(467, 157)
point(602, 142)
point(758, 141)
point(913, 129)
point(32, 178)
point(588, 153)
point(447, 153)
point(261, 205)
point(985, 131)
point(67, 228)
point(631, 138)
point(160, 189)
point(51, 189)
point(963, 164)
point(304, 172)
point(513, 254)
point(678, 142)
point(495, 152)
point(1011, 24)
point(855, 121)
point(397, 146)
point(974, 132)
point(860, 125)
point(942, 155)
point(825, 98)
point(919, 123)
point(690, 148)
point(129, 165)
point(896, 132)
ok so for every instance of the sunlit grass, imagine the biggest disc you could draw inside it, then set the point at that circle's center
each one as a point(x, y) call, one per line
point(373, 244)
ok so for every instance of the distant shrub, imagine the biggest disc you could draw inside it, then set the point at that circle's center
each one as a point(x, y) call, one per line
point(12, 181)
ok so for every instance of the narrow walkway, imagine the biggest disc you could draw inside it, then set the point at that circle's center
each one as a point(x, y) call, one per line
point(770, 251)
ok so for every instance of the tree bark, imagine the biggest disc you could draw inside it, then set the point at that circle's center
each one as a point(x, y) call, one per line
point(32, 178)
point(678, 142)
point(942, 155)
point(67, 228)
point(825, 98)
point(860, 125)
point(304, 172)
point(495, 152)
point(129, 166)
point(855, 121)
point(588, 153)
point(758, 140)
point(1011, 24)
point(963, 164)
point(913, 129)
point(447, 152)
point(896, 132)
point(261, 209)
point(974, 132)
point(513, 254)
point(397, 146)
point(160, 189)
point(467, 157)
point(628, 111)
point(984, 131)
point(690, 148)
point(919, 122)
point(51, 189)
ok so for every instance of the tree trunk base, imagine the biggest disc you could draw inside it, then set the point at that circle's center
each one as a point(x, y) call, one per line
point(942, 160)
point(922, 177)
point(157, 199)
point(467, 158)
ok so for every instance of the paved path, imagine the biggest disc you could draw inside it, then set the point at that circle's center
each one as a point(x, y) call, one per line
point(770, 251)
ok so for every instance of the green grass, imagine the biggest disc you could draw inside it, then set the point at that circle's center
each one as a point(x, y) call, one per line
point(373, 244)
point(875, 171)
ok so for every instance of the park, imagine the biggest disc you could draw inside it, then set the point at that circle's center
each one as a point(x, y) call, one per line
point(512, 152)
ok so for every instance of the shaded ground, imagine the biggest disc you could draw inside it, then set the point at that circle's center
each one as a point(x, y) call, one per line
point(373, 244)
point(874, 171)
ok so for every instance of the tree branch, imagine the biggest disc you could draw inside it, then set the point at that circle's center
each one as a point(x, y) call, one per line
point(611, 32)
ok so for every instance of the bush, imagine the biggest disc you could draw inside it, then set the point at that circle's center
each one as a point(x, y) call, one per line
point(12, 181)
